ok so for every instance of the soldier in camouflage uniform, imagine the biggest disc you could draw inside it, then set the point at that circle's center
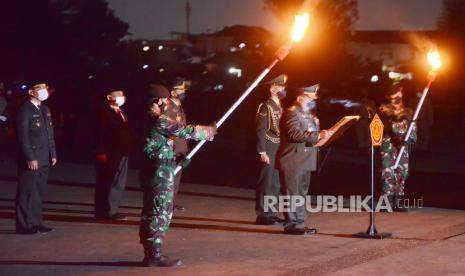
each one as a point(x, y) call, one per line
point(396, 118)
point(268, 119)
point(158, 187)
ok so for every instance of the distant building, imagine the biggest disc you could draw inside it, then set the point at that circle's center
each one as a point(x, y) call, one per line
point(183, 47)
point(229, 39)
point(205, 44)
point(390, 48)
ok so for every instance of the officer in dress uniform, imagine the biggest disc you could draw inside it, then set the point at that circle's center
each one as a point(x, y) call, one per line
point(37, 153)
point(178, 94)
point(268, 137)
point(297, 157)
point(158, 182)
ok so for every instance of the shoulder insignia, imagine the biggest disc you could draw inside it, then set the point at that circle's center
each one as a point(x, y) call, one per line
point(262, 111)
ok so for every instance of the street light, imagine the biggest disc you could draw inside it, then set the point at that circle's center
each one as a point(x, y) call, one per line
point(235, 71)
point(399, 76)
point(301, 23)
point(434, 59)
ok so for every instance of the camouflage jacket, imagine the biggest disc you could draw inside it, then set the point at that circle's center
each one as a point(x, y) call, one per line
point(396, 122)
point(160, 140)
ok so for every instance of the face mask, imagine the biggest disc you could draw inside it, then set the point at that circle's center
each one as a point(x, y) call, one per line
point(162, 102)
point(311, 105)
point(282, 94)
point(396, 100)
point(42, 95)
point(120, 100)
point(182, 96)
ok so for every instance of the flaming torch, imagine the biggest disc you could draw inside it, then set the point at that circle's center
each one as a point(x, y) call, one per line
point(434, 59)
point(301, 23)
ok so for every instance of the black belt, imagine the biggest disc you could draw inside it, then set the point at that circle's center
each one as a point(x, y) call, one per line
point(166, 162)
point(179, 157)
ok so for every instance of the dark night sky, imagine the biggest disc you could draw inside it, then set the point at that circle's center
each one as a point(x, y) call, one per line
point(156, 18)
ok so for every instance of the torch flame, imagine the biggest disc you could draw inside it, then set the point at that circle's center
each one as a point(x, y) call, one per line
point(434, 59)
point(300, 25)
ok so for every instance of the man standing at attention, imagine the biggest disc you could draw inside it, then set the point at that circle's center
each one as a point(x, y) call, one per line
point(37, 153)
point(268, 137)
point(396, 118)
point(113, 147)
point(297, 156)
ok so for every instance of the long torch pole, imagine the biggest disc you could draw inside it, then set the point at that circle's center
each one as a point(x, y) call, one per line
point(279, 56)
point(414, 119)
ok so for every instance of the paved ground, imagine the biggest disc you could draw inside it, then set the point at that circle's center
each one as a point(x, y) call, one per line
point(217, 235)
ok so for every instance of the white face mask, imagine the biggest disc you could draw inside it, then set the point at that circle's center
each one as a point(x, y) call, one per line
point(120, 100)
point(42, 95)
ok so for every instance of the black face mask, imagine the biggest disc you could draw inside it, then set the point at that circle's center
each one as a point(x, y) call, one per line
point(396, 100)
point(182, 97)
point(282, 94)
point(161, 104)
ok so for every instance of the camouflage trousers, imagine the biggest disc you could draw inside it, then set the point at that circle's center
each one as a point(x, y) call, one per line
point(393, 180)
point(157, 209)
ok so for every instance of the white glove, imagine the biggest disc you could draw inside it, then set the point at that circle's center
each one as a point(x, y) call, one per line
point(2, 118)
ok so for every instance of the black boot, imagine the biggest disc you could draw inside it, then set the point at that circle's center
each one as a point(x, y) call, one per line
point(153, 257)
point(399, 204)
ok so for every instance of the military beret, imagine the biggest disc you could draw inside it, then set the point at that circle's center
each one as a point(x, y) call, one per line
point(393, 89)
